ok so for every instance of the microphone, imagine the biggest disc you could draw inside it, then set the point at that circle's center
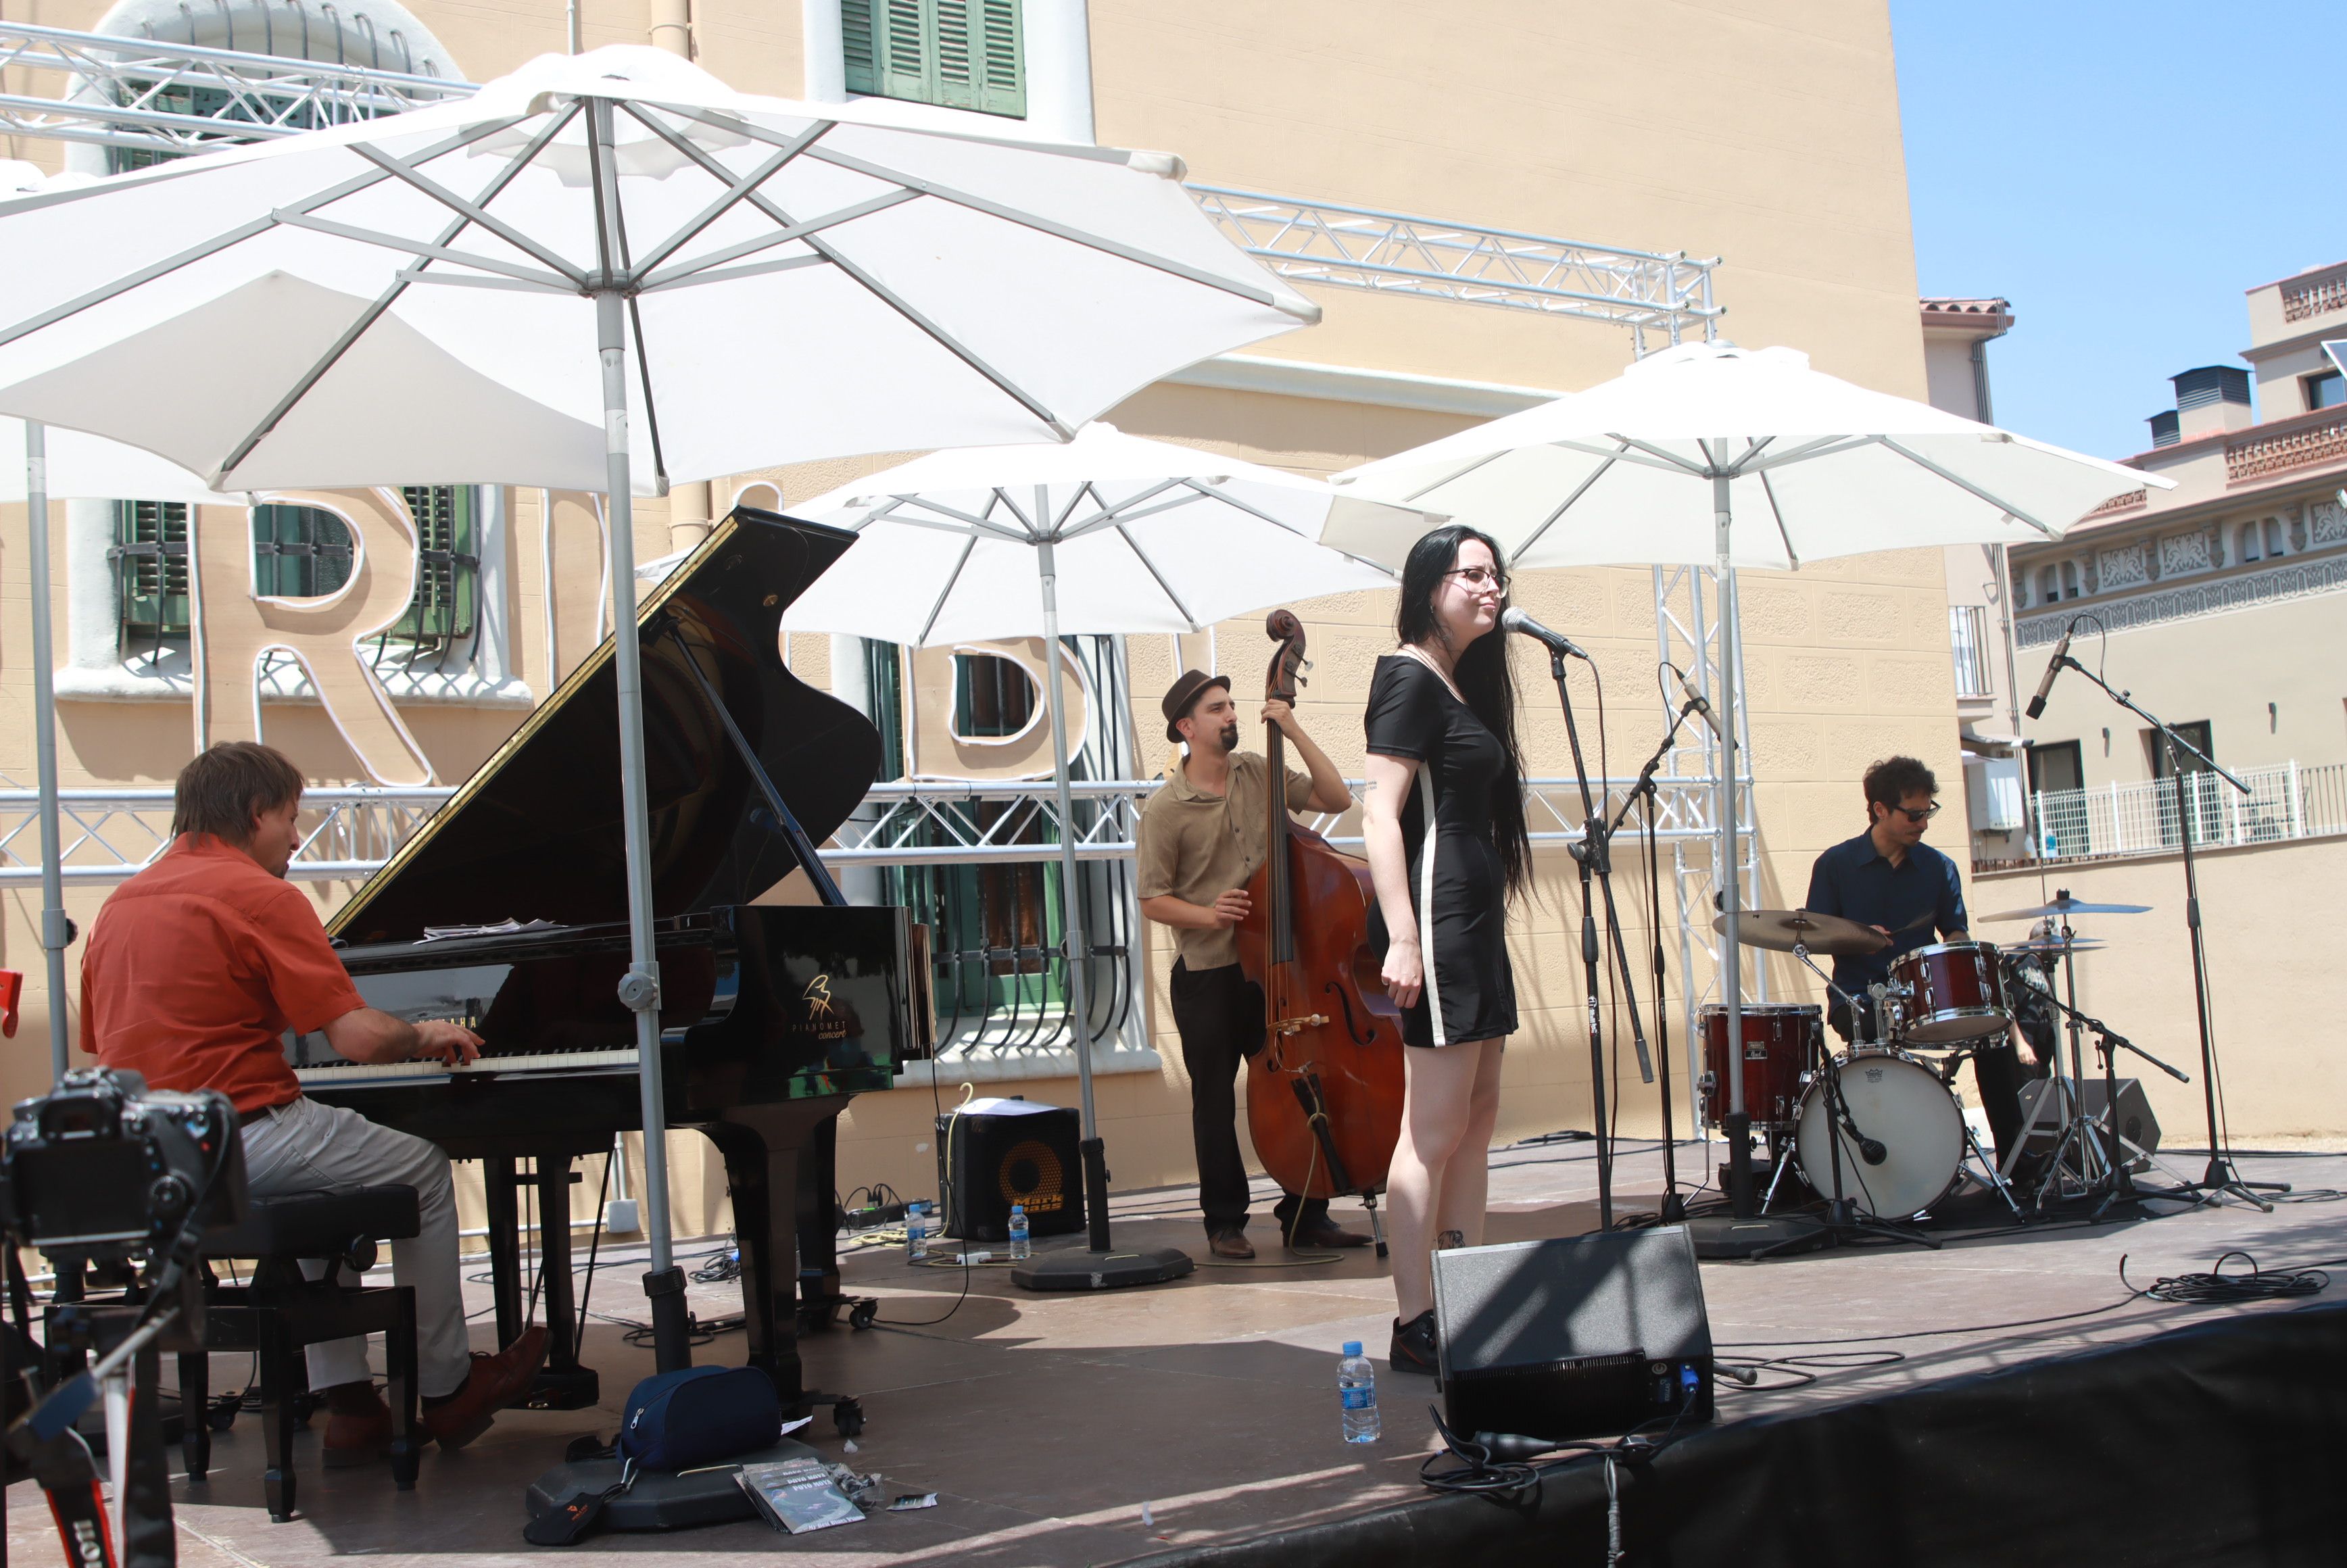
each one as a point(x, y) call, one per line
point(1514, 619)
point(1695, 705)
point(2052, 668)
point(1871, 1151)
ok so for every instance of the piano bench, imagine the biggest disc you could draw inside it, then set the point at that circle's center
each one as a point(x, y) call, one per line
point(280, 1313)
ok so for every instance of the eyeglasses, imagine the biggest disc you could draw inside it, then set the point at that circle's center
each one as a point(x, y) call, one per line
point(1480, 578)
point(1911, 814)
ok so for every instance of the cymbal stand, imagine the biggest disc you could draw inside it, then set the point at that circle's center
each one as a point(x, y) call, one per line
point(1591, 854)
point(2221, 1179)
point(2122, 1186)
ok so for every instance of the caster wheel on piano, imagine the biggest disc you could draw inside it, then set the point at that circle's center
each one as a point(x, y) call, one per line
point(848, 1416)
point(863, 1313)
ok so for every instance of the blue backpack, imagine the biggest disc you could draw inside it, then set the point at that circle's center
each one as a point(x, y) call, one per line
point(676, 1420)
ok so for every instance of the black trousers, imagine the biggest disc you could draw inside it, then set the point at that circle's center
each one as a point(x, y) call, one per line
point(1219, 1015)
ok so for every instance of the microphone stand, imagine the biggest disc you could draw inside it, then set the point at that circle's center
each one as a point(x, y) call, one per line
point(1674, 1207)
point(1591, 854)
point(2221, 1179)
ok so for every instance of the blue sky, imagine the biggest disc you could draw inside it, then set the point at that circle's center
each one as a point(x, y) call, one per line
point(2121, 173)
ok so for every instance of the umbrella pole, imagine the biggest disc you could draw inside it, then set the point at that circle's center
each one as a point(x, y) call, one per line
point(1097, 1267)
point(1737, 1124)
point(1078, 937)
point(55, 927)
point(664, 1281)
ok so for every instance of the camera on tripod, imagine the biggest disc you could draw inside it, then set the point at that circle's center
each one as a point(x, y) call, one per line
point(104, 1170)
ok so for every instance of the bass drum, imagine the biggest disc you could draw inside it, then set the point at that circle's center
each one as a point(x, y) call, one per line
point(1897, 1101)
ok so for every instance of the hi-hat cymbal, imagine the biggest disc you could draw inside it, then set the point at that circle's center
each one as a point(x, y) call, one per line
point(2081, 946)
point(2066, 906)
point(1780, 930)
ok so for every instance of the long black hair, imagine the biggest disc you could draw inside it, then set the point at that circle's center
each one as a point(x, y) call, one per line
point(1483, 678)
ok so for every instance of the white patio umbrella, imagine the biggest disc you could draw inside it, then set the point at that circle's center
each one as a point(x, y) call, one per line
point(1106, 533)
point(1711, 453)
point(603, 264)
point(68, 466)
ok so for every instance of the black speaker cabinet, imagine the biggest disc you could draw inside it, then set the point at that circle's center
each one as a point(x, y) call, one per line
point(1590, 1336)
point(2041, 1118)
point(989, 1160)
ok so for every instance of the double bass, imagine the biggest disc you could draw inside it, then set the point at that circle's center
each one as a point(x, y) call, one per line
point(1325, 1093)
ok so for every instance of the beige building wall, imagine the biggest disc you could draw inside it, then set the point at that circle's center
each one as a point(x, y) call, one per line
point(1777, 149)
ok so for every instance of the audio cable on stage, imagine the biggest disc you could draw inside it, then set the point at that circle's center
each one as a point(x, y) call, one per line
point(2219, 1288)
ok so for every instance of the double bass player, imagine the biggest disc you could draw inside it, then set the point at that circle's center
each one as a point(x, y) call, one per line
point(1200, 839)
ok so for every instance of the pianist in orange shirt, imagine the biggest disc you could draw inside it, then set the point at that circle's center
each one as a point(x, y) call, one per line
point(195, 969)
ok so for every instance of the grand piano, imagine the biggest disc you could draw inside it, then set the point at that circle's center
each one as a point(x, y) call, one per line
point(772, 1015)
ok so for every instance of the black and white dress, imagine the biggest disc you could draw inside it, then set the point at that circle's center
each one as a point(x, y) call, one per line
point(1457, 886)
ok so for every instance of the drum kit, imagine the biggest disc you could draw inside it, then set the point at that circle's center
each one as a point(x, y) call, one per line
point(1876, 1128)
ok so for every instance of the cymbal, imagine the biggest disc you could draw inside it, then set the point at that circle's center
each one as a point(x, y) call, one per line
point(2066, 906)
point(1779, 929)
point(2081, 946)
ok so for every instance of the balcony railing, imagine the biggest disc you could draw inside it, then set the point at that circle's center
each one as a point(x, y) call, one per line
point(2286, 802)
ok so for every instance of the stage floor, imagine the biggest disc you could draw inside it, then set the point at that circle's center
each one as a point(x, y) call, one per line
point(1088, 1429)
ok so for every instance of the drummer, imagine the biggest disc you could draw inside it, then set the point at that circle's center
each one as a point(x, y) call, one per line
point(1889, 878)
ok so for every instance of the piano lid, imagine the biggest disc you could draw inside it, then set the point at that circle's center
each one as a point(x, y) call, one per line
point(535, 833)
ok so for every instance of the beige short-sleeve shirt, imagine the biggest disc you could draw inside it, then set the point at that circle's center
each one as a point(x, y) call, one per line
point(1199, 846)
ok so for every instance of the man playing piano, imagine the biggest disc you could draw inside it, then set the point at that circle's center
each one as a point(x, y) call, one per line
point(195, 969)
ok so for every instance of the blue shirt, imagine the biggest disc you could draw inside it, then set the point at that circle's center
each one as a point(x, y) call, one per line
point(1856, 881)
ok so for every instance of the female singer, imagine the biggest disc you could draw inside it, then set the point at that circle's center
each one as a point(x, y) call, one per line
point(1444, 818)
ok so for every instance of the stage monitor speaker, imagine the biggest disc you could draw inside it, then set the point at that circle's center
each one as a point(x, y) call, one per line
point(1586, 1336)
point(991, 1156)
point(2041, 1118)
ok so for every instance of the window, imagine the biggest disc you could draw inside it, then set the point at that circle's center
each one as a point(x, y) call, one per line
point(2069, 580)
point(993, 697)
point(2056, 777)
point(2196, 732)
point(1968, 646)
point(2049, 585)
point(448, 570)
point(299, 552)
point(150, 554)
point(956, 54)
point(2325, 389)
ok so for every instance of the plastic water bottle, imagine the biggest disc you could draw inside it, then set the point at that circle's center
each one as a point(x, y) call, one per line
point(1357, 1387)
point(916, 1233)
point(1020, 1250)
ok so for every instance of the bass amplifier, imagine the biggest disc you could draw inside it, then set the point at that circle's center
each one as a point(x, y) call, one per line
point(992, 1154)
point(1585, 1337)
point(2138, 1129)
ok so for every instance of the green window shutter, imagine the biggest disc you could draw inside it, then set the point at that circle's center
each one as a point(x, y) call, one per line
point(299, 552)
point(858, 50)
point(150, 552)
point(448, 566)
point(958, 54)
point(1001, 58)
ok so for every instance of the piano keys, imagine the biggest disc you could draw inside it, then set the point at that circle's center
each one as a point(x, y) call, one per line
point(773, 1015)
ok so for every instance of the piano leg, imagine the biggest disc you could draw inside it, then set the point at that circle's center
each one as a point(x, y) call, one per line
point(562, 1384)
point(818, 1217)
point(505, 1243)
point(762, 1171)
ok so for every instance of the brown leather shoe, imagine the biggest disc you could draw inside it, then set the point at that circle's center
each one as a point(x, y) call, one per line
point(1233, 1244)
point(495, 1382)
point(356, 1436)
point(1329, 1235)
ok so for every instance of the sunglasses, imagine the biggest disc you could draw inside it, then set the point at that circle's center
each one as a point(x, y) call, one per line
point(1911, 814)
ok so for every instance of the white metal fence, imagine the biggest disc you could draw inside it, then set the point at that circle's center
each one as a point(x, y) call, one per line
point(2286, 802)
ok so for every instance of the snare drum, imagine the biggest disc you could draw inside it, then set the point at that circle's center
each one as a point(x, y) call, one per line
point(1780, 1044)
point(1902, 1111)
point(1958, 993)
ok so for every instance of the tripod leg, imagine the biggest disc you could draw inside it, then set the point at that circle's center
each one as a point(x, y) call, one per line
point(1377, 1222)
point(1988, 1172)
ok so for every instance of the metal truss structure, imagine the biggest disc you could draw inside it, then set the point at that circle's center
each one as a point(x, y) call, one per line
point(110, 834)
point(169, 99)
point(1383, 252)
